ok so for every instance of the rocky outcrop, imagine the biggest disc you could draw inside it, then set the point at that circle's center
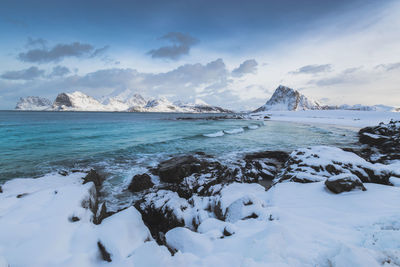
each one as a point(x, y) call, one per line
point(94, 177)
point(288, 99)
point(140, 182)
point(344, 183)
point(317, 164)
point(177, 168)
point(382, 141)
point(62, 100)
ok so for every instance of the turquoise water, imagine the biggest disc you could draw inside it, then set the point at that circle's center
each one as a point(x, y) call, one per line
point(35, 143)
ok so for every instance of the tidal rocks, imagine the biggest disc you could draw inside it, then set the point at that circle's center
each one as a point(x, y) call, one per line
point(383, 141)
point(177, 168)
point(94, 177)
point(263, 165)
point(344, 183)
point(318, 163)
point(140, 182)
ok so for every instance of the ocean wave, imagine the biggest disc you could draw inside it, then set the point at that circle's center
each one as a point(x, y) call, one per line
point(234, 131)
point(216, 134)
point(253, 127)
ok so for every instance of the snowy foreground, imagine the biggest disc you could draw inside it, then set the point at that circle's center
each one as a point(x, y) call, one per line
point(353, 118)
point(304, 225)
point(326, 207)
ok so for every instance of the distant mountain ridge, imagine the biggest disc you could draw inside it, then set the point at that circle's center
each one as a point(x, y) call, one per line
point(124, 101)
point(288, 99)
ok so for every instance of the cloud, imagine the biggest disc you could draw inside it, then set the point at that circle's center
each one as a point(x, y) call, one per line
point(248, 66)
point(59, 52)
point(389, 67)
point(313, 69)
point(349, 75)
point(59, 71)
point(181, 44)
point(31, 42)
point(25, 74)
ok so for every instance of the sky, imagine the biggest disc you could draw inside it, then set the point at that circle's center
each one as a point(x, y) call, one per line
point(227, 53)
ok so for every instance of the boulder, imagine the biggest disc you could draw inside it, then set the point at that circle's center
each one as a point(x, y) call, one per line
point(344, 183)
point(177, 168)
point(140, 182)
point(1, 190)
point(94, 177)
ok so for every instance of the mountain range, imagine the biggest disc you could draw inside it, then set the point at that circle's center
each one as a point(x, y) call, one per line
point(283, 99)
point(125, 101)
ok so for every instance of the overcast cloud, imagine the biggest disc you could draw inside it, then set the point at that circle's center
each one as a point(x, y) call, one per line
point(180, 46)
point(59, 52)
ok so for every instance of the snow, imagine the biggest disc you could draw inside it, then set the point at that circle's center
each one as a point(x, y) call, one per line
point(350, 118)
point(36, 227)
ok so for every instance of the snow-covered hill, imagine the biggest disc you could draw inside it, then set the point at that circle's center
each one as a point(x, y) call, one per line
point(288, 99)
point(119, 101)
point(33, 103)
point(77, 101)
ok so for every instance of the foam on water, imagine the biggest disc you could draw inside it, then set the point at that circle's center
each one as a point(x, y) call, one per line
point(216, 134)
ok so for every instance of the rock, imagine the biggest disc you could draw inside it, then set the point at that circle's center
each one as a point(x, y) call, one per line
point(382, 141)
point(177, 168)
point(100, 214)
point(315, 164)
point(344, 183)
point(1, 190)
point(140, 182)
point(94, 177)
point(159, 212)
point(278, 155)
point(105, 255)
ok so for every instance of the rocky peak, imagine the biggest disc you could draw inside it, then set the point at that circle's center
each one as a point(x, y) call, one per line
point(285, 98)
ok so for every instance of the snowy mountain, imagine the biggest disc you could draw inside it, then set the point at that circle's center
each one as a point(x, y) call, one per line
point(288, 99)
point(33, 103)
point(77, 101)
point(119, 101)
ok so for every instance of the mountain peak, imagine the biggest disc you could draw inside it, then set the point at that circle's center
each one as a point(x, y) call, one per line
point(286, 98)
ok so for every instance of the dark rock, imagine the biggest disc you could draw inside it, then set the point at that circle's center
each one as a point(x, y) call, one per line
point(177, 168)
point(100, 215)
point(140, 182)
point(22, 195)
point(63, 100)
point(74, 219)
point(63, 172)
point(227, 232)
point(1, 190)
point(278, 155)
point(344, 184)
point(159, 220)
point(94, 177)
point(105, 255)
